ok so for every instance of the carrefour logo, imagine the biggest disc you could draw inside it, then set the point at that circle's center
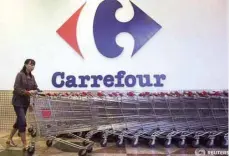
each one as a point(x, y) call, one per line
point(106, 27)
point(105, 30)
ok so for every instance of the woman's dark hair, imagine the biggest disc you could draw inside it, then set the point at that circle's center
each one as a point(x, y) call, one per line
point(27, 61)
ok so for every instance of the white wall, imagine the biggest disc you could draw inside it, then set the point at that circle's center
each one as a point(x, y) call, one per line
point(190, 49)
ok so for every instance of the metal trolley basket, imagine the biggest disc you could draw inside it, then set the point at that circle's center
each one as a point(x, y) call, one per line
point(150, 116)
point(56, 115)
point(172, 115)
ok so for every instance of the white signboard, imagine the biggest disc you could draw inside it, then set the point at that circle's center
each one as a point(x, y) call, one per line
point(116, 45)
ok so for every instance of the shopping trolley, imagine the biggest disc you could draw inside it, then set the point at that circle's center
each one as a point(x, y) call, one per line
point(197, 115)
point(117, 115)
point(211, 117)
point(163, 115)
point(189, 114)
point(57, 114)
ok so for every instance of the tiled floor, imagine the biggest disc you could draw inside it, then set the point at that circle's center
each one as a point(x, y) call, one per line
point(110, 150)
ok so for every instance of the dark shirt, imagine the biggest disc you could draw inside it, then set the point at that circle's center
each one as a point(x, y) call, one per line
point(22, 85)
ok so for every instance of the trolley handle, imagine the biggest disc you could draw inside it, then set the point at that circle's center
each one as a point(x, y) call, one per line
point(83, 94)
point(120, 94)
point(130, 94)
point(177, 94)
point(169, 93)
point(100, 94)
point(89, 94)
point(76, 94)
point(188, 93)
point(65, 94)
point(144, 94)
point(110, 94)
point(202, 94)
point(215, 93)
point(141, 94)
point(50, 94)
point(162, 94)
point(154, 94)
point(115, 94)
point(41, 94)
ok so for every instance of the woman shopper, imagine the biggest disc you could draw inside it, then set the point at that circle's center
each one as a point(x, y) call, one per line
point(24, 86)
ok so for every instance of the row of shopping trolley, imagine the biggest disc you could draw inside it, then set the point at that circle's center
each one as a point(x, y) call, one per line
point(181, 115)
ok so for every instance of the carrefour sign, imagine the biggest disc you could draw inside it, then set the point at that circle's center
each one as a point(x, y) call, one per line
point(105, 29)
point(120, 80)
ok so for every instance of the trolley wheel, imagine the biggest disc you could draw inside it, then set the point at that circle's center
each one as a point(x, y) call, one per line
point(119, 143)
point(85, 143)
point(30, 129)
point(195, 143)
point(103, 142)
point(210, 143)
point(31, 149)
point(34, 134)
point(49, 143)
point(134, 142)
point(224, 144)
point(167, 143)
point(181, 144)
point(152, 143)
point(82, 152)
point(79, 134)
point(90, 150)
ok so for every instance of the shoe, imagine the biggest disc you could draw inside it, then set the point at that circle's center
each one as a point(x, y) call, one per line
point(11, 143)
point(25, 148)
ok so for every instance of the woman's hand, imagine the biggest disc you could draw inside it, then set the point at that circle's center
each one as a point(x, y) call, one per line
point(33, 92)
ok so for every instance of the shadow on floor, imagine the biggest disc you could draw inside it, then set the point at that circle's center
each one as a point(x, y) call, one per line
point(14, 153)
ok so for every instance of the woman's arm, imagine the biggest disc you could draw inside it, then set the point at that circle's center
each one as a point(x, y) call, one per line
point(35, 85)
point(18, 86)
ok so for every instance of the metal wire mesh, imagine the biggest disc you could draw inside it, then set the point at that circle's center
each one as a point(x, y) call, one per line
point(7, 114)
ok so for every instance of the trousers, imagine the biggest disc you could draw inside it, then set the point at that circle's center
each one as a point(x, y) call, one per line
point(20, 123)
